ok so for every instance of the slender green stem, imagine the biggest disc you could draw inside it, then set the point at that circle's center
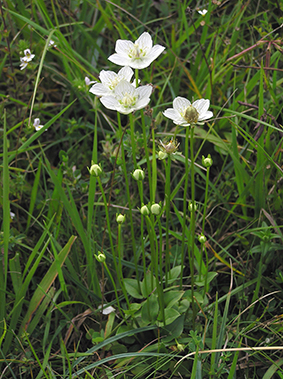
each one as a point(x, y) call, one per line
point(124, 168)
point(167, 205)
point(115, 288)
point(6, 224)
point(160, 278)
point(137, 77)
point(120, 271)
point(185, 204)
point(154, 168)
point(107, 219)
point(133, 141)
point(205, 199)
point(145, 144)
point(192, 224)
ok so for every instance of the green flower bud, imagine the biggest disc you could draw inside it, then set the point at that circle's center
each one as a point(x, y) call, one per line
point(100, 257)
point(202, 238)
point(162, 155)
point(159, 118)
point(144, 210)
point(191, 115)
point(138, 174)
point(180, 347)
point(155, 209)
point(207, 162)
point(120, 218)
point(190, 206)
point(95, 170)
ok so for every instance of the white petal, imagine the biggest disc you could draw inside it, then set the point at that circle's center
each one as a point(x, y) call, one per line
point(124, 110)
point(139, 63)
point(124, 87)
point(142, 103)
point(205, 116)
point(123, 47)
point(155, 52)
point(180, 104)
point(144, 91)
point(120, 60)
point(110, 102)
point(201, 106)
point(99, 89)
point(106, 77)
point(144, 41)
point(126, 73)
point(171, 113)
point(36, 122)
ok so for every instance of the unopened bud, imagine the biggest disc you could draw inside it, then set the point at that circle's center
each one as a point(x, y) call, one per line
point(100, 257)
point(207, 162)
point(120, 218)
point(162, 155)
point(202, 238)
point(138, 174)
point(190, 206)
point(155, 209)
point(144, 210)
point(95, 170)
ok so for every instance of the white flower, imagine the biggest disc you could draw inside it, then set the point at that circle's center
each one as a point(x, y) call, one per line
point(110, 80)
point(12, 215)
point(185, 114)
point(36, 124)
point(88, 82)
point(52, 43)
point(28, 56)
point(136, 55)
point(107, 310)
point(203, 12)
point(24, 63)
point(127, 98)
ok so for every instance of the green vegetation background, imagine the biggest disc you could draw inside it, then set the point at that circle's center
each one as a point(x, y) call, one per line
point(50, 282)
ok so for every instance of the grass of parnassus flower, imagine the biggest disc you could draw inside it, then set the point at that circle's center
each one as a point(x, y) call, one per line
point(52, 284)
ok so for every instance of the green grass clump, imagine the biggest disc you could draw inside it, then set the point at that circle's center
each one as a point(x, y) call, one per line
point(175, 232)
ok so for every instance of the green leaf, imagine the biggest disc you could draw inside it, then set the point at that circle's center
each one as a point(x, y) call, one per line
point(173, 330)
point(170, 315)
point(172, 297)
point(201, 281)
point(46, 282)
point(148, 285)
point(150, 309)
point(132, 288)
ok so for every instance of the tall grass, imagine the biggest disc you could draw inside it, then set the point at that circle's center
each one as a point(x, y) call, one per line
point(188, 284)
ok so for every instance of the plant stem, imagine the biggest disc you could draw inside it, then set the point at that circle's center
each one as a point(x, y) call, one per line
point(192, 224)
point(184, 226)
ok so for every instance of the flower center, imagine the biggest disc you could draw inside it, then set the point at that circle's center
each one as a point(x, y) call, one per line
point(114, 83)
point(191, 115)
point(136, 52)
point(128, 100)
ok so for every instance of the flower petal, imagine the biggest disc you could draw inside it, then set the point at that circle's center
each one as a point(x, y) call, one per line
point(171, 113)
point(109, 102)
point(126, 73)
point(144, 41)
point(206, 116)
point(123, 47)
point(155, 52)
point(120, 60)
point(201, 105)
point(144, 91)
point(99, 89)
point(180, 104)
